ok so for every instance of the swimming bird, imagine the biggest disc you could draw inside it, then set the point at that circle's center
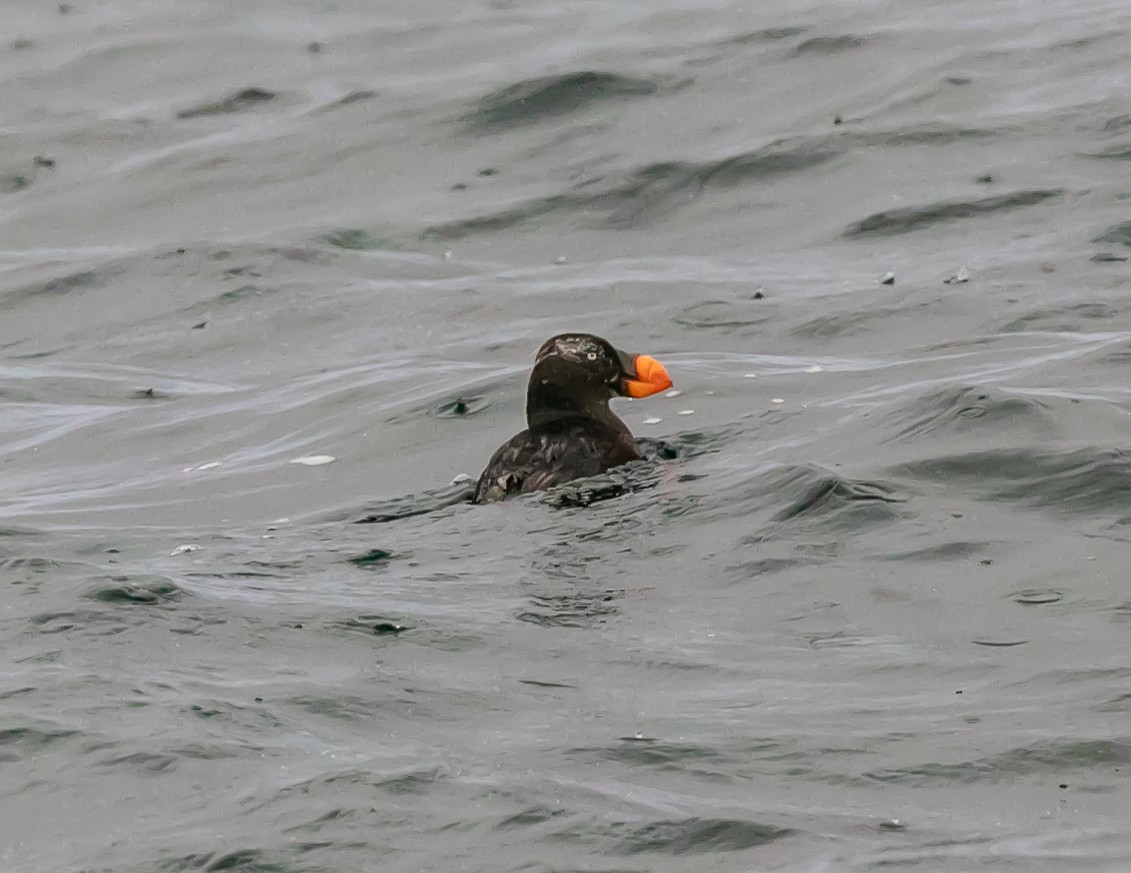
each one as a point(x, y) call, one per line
point(570, 430)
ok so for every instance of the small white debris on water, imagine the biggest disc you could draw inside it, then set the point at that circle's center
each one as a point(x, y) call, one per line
point(560, 259)
point(749, 375)
point(447, 254)
point(675, 392)
point(653, 420)
point(462, 477)
point(963, 275)
point(708, 393)
point(777, 400)
point(180, 550)
point(313, 460)
point(687, 412)
point(816, 368)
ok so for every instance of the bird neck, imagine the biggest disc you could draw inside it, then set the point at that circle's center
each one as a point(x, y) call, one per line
point(547, 402)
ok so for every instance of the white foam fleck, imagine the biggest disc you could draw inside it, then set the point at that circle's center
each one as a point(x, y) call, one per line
point(313, 460)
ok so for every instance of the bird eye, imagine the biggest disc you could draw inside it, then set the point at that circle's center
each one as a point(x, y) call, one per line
point(592, 356)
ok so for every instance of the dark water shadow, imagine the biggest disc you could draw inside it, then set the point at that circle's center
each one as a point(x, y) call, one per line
point(238, 101)
point(899, 221)
point(955, 410)
point(546, 96)
point(1092, 481)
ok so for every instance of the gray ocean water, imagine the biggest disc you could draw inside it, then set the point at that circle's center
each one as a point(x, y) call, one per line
point(865, 607)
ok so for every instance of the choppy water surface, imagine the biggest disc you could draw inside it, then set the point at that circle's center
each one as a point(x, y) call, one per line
point(866, 608)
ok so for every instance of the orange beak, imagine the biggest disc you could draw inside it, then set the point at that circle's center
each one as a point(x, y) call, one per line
point(649, 377)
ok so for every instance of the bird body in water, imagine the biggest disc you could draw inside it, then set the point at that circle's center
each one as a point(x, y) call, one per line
point(571, 432)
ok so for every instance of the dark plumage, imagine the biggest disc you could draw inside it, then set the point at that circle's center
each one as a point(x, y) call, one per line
point(571, 432)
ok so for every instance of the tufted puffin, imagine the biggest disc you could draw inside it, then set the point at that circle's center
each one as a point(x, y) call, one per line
point(570, 430)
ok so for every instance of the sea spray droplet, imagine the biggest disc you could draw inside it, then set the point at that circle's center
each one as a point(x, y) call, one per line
point(313, 460)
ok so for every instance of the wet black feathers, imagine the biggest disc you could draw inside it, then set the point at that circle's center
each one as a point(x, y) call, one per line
point(571, 432)
point(566, 450)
